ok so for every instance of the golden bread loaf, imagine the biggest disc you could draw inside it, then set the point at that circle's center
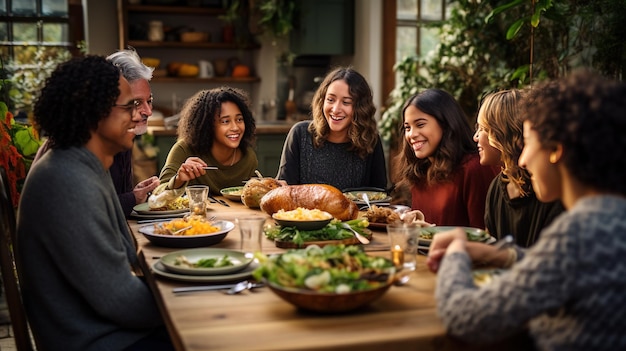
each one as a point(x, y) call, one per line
point(255, 188)
point(310, 196)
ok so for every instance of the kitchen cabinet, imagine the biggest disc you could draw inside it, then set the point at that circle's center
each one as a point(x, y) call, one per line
point(325, 27)
point(134, 30)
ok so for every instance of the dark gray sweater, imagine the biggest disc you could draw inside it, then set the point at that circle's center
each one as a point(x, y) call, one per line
point(568, 289)
point(333, 164)
point(76, 255)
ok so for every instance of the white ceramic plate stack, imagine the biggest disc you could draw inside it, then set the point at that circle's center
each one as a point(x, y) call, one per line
point(242, 267)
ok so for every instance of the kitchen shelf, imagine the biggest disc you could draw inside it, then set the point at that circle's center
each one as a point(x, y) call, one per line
point(190, 45)
point(215, 80)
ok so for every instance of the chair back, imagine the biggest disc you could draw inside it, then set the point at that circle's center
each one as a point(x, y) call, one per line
point(8, 233)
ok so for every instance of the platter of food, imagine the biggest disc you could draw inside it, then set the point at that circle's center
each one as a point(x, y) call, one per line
point(232, 193)
point(318, 292)
point(332, 234)
point(374, 196)
point(176, 207)
point(205, 261)
point(201, 234)
point(473, 234)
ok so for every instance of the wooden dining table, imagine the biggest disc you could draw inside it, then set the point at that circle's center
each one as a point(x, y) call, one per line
point(404, 318)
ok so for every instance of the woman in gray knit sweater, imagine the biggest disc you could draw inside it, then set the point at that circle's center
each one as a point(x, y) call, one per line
point(567, 290)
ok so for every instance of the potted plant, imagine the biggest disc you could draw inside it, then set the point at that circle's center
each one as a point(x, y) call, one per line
point(230, 19)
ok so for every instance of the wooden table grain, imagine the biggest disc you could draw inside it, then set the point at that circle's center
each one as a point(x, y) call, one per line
point(403, 319)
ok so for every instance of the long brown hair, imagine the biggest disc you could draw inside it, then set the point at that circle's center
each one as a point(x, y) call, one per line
point(456, 141)
point(363, 132)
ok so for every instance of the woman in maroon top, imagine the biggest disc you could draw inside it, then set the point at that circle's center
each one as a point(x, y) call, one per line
point(439, 162)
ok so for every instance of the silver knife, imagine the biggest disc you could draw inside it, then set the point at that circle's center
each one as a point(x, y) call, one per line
point(185, 289)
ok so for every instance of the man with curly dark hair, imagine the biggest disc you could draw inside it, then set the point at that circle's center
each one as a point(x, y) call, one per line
point(75, 252)
point(567, 290)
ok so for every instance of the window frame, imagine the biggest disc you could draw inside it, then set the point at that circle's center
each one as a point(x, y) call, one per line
point(74, 21)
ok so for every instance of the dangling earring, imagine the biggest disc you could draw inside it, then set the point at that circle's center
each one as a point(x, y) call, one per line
point(553, 158)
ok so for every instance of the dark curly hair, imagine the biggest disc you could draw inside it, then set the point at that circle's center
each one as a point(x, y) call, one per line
point(363, 131)
point(586, 114)
point(76, 96)
point(197, 118)
point(456, 141)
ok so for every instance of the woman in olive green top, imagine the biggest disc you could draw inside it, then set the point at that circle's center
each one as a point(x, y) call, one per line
point(216, 129)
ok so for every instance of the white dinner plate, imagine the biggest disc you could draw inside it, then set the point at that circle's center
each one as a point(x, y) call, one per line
point(238, 259)
point(159, 269)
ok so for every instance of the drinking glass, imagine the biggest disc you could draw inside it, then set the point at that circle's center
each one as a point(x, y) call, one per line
point(251, 231)
point(197, 195)
point(403, 242)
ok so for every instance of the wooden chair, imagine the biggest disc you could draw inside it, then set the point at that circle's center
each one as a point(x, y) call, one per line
point(10, 278)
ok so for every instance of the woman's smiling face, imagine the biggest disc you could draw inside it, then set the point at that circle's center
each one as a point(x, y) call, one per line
point(229, 126)
point(422, 131)
point(338, 107)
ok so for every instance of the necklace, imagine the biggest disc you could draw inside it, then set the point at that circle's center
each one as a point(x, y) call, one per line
point(232, 162)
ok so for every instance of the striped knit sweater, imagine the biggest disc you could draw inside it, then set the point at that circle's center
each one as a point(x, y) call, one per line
point(568, 290)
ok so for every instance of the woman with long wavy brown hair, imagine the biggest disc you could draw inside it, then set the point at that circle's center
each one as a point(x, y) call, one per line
point(439, 162)
point(341, 145)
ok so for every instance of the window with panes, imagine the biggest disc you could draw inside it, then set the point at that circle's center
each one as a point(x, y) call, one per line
point(407, 33)
point(32, 28)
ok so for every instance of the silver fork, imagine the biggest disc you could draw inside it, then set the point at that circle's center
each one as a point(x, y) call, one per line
point(241, 286)
point(505, 242)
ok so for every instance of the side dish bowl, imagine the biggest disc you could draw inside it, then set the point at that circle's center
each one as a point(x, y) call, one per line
point(304, 224)
point(328, 302)
point(185, 241)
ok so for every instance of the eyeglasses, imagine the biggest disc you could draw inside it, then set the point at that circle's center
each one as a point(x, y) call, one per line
point(130, 107)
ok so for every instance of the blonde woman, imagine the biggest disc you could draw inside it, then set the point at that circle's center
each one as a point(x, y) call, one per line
point(511, 206)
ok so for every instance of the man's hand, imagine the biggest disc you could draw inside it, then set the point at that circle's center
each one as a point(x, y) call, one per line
point(142, 189)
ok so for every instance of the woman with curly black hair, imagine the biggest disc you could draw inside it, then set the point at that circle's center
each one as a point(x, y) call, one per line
point(341, 146)
point(75, 251)
point(216, 128)
point(567, 290)
point(439, 163)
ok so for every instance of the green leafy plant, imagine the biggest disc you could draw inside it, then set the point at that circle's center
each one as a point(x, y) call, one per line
point(18, 145)
point(491, 45)
point(277, 16)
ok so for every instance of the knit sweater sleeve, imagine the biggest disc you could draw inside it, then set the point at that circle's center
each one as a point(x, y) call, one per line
point(562, 287)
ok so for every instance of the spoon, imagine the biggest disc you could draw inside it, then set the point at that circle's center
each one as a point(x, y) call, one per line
point(366, 199)
point(359, 237)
